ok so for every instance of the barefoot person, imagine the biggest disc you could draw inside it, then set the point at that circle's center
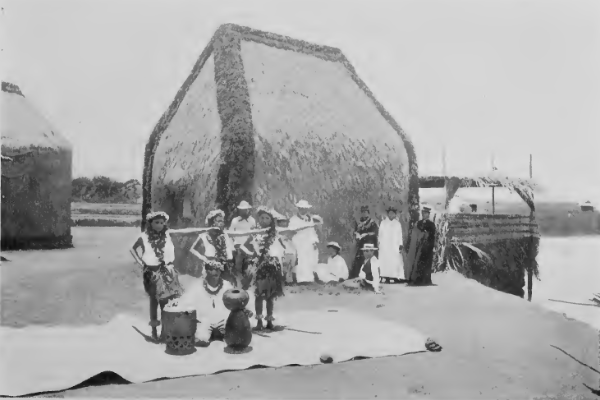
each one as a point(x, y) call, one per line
point(243, 222)
point(216, 245)
point(420, 255)
point(161, 281)
point(205, 295)
point(390, 247)
point(306, 242)
point(264, 266)
point(368, 277)
point(365, 232)
point(336, 269)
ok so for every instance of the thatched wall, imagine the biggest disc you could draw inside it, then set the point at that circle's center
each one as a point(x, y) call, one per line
point(36, 178)
point(273, 120)
point(495, 250)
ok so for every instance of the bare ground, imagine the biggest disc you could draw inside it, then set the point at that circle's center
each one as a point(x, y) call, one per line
point(494, 345)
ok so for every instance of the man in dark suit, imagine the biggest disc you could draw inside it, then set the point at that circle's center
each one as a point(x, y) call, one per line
point(420, 257)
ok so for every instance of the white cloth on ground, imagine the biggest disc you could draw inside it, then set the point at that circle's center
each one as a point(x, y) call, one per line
point(390, 240)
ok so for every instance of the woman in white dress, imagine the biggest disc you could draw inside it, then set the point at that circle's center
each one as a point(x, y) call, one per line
point(306, 242)
point(390, 247)
point(336, 269)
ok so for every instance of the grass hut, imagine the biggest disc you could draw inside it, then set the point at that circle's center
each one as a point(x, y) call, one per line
point(272, 120)
point(36, 177)
point(497, 250)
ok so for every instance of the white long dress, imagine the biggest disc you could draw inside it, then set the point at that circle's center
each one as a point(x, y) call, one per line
point(304, 242)
point(390, 240)
point(335, 269)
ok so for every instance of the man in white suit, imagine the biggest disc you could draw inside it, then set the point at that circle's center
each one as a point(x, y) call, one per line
point(390, 247)
point(305, 242)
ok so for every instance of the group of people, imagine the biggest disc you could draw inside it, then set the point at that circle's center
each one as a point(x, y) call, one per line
point(262, 255)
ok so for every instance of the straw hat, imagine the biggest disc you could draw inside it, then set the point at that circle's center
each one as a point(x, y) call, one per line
point(303, 204)
point(369, 246)
point(244, 205)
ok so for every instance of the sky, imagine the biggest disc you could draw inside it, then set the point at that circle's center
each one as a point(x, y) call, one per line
point(483, 79)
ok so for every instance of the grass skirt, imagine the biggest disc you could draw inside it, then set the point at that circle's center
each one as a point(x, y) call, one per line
point(268, 277)
point(161, 283)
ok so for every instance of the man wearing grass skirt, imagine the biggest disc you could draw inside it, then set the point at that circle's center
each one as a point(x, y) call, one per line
point(305, 242)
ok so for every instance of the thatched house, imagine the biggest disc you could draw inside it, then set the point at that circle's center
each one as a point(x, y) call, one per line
point(272, 120)
point(36, 177)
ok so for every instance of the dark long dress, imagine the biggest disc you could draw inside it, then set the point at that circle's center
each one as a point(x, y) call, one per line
point(362, 227)
point(420, 254)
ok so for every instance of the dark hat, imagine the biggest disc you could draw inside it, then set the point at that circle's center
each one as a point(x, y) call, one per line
point(391, 208)
point(426, 209)
point(364, 208)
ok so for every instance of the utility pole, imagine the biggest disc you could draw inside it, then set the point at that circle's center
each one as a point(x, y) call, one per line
point(531, 246)
point(493, 188)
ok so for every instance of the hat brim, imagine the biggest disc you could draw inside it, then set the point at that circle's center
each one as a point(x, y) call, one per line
point(369, 248)
point(334, 247)
point(244, 208)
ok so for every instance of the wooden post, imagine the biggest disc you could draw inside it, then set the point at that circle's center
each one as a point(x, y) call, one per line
point(530, 264)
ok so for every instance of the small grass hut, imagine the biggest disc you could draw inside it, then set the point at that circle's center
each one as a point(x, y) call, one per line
point(271, 120)
point(494, 249)
point(36, 177)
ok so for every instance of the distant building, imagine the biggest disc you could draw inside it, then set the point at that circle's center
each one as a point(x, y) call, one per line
point(587, 206)
point(36, 177)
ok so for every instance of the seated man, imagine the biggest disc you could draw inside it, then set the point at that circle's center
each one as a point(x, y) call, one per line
point(368, 277)
point(336, 269)
point(206, 297)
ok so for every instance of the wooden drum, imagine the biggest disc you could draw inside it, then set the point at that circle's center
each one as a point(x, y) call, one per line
point(179, 327)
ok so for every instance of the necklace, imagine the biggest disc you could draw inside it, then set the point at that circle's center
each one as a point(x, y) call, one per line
point(213, 291)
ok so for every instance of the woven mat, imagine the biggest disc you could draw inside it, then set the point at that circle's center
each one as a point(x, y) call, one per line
point(37, 359)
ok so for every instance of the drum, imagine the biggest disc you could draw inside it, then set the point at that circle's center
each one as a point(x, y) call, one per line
point(179, 330)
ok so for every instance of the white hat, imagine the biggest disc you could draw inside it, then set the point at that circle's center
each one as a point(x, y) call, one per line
point(334, 244)
point(244, 205)
point(369, 246)
point(303, 204)
point(152, 215)
point(277, 216)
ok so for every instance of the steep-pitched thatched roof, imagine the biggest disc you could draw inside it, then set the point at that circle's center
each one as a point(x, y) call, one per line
point(22, 127)
point(235, 109)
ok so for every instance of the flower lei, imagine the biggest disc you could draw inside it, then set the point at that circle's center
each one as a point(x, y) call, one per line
point(267, 241)
point(364, 224)
point(157, 240)
point(217, 240)
point(217, 290)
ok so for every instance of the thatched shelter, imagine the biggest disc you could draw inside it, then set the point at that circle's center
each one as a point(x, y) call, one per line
point(272, 120)
point(494, 249)
point(36, 177)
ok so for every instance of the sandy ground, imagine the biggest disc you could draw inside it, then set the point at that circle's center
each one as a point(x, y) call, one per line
point(494, 345)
